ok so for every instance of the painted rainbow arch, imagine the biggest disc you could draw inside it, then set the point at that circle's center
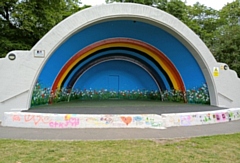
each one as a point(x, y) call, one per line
point(157, 55)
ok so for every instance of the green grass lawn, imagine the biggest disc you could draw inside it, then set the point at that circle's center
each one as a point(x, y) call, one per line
point(213, 149)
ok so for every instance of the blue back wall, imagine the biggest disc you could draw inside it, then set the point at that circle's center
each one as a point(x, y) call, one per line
point(170, 46)
point(116, 75)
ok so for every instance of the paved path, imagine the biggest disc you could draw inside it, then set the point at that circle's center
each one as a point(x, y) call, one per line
point(116, 134)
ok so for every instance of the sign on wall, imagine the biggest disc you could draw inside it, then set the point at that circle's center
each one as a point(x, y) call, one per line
point(39, 53)
point(215, 71)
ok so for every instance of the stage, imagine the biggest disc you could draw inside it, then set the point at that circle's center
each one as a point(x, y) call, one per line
point(121, 107)
point(119, 114)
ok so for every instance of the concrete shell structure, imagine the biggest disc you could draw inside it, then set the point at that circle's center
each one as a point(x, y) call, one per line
point(140, 37)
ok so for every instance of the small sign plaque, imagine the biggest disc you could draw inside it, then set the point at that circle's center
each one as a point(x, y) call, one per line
point(216, 71)
point(39, 53)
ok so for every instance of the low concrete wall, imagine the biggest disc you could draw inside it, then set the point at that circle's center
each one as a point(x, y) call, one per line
point(201, 118)
point(58, 121)
point(37, 120)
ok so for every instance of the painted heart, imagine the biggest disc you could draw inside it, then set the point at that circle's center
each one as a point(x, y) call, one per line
point(127, 120)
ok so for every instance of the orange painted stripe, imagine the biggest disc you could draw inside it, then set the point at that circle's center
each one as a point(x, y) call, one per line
point(158, 56)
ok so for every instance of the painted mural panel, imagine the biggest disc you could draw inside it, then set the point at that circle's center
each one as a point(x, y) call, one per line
point(134, 83)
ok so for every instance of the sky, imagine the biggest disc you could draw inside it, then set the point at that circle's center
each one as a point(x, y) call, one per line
point(215, 4)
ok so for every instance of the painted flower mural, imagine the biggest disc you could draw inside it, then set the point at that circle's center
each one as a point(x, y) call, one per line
point(42, 95)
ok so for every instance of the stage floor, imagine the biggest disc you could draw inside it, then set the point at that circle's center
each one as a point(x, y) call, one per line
point(121, 107)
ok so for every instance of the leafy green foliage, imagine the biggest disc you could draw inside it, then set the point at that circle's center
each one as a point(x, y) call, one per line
point(23, 23)
point(10, 34)
point(226, 45)
point(203, 21)
point(176, 8)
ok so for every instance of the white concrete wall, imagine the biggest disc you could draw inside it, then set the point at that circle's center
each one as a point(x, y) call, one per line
point(228, 87)
point(58, 121)
point(17, 78)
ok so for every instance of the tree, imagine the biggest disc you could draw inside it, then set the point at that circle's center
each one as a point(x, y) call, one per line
point(204, 21)
point(24, 22)
point(226, 46)
point(176, 8)
point(8, 30)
